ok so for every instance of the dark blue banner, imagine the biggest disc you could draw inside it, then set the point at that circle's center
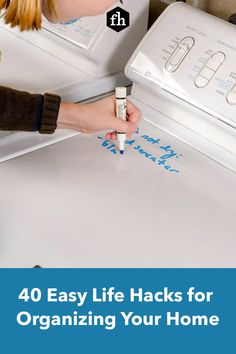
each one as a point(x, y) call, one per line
point(118, 311)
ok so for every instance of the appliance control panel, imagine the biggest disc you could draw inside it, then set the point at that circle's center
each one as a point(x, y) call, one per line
point(194, 59)
point(80, 32)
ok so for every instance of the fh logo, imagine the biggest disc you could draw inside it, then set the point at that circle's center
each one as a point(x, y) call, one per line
point(118, 19)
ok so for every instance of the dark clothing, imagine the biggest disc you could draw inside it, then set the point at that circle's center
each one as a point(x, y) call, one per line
point(21, 111)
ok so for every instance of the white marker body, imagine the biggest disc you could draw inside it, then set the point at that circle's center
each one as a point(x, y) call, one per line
point(121, 111)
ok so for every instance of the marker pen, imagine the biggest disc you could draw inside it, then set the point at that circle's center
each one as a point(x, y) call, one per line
point(121, 105)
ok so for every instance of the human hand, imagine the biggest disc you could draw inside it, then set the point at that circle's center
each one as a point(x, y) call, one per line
point(98, 116)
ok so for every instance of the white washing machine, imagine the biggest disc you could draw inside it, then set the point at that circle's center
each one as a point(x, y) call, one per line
point(170, 200)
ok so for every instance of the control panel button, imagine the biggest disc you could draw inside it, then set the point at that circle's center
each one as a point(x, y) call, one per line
point(201, 82)
point(176, 60)
point(207, 73)
point(219, 56)
point(179, 54)
point(231, 97)
point(213, 64)
point(209, 70)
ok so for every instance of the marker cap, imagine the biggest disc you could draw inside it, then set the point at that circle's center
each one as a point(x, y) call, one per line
point(121, 92)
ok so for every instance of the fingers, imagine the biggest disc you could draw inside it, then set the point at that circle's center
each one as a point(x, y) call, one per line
point(133, 117)
point(111, 136)
point(119, 125)
point(129, 127)
point(134, 114)
point(124, 127)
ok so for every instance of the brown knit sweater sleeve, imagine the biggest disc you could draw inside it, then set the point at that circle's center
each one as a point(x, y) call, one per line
point(22, 111)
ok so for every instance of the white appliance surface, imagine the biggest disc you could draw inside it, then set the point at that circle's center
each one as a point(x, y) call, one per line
point(165, 203)
point(80, 204)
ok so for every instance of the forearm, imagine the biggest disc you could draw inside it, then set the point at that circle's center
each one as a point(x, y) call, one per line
point(21, 111)
point(65, 116)
point(70, 116)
